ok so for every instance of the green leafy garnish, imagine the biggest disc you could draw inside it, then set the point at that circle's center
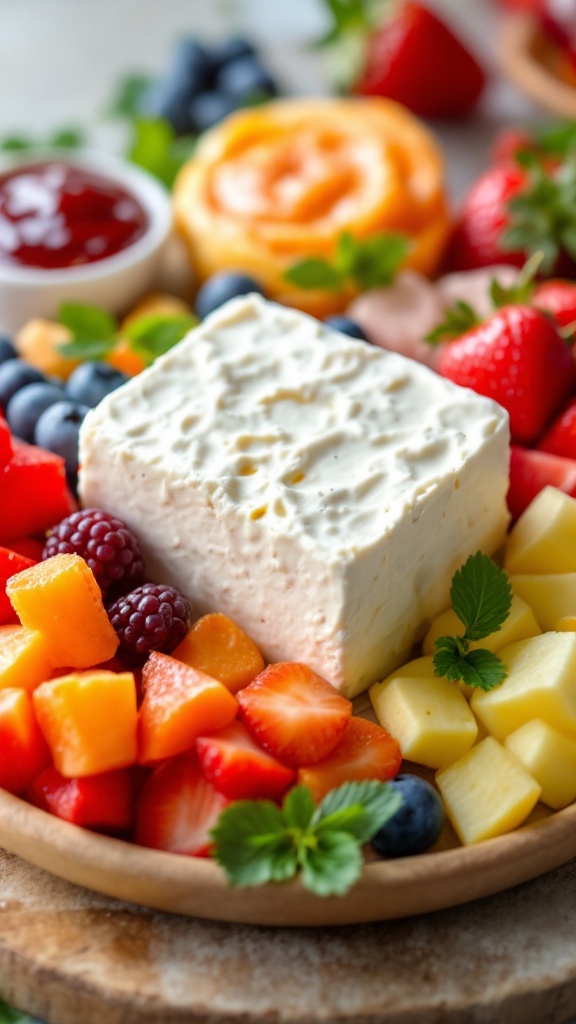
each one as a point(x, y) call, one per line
point(95, 332)
point(154, 147)
point(542, 215)
point(366, 263)
point(61, 138)
point(458, 319)
point(481, 597)
point(8, 1015)
point(257, 842)
point(157, 333)
point(130, 91)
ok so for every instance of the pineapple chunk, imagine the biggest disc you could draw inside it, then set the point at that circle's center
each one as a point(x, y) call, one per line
point(487, 792)
point(550, 758)
point(520, 625)
point(541, 683)
point(544, 538)
point(567, 624)
point(552, 597)
point(427, 715)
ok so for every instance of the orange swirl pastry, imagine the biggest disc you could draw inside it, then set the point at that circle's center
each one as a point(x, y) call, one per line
point(274, 184)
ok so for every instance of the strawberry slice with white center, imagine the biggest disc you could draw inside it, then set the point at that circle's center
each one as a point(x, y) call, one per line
point(366, 751)
point(178, 808)
point(237, 767)
point(294, 714)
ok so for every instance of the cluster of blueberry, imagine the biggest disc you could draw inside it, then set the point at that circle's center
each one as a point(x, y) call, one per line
point(204, 84)
point(47, 411)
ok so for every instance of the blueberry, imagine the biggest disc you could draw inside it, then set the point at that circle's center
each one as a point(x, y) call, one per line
point(346, 326)
point(166, 99)
point(28, 404)
point(221, 287)
point(245, 78)
point(15, 374)
point(7, 350)
point(232, 49)
point(418, 822)
point(192, 66)
point(57, 430)
point(90, 382)
point(209, 108)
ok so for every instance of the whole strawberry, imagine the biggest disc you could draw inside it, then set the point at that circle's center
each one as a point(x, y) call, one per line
point(518, 358)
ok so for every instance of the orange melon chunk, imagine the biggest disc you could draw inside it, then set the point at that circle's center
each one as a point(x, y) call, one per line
point(24, 658)
point(23, 751)
point(89, 720)
point(180, 703)
point(217, 646)
point(61, 598)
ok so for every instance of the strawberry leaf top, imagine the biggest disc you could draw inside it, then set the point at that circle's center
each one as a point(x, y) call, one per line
point(542, 216)
point(458, 319)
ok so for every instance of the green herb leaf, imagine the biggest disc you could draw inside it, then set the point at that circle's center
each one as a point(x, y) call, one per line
point(8, 1015)
point(253, 843)
point(314, 273)
point(556, 139)
point(458, 319)
point(481, 596)
point(542, 216)
point(156, 333)
point(67, 138)
point(129, 95)
point(448, 658)
point(378, 259)
point(155, 148)
point(87, 323)
point(332, 865)
point(299, 807)
point(359, 808)
point(86, 350)
point(484, 669)
point(16, 144)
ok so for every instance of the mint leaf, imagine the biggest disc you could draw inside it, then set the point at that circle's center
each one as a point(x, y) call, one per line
point(484, 669)
point(448, 658)
point(481, 596)
point(358, 808)
point(299, 807)
point(16, 144)
point(156, 333)
point(314, 273)
point(86, 350)
point(378, 258)
point(155, 148)
point(253, 843)
point(346, 250)
point(129, 95)
point(458, 319)
point(87, 323)
point(8, 1015)
point(332, 865)
point(67, 138)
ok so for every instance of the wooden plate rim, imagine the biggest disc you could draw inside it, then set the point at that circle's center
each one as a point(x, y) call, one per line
point(198, 888)
point(518, 62)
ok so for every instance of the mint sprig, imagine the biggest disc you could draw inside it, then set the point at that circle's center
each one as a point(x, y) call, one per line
point(366, 263)
point(257, 842)
point(95, 332)
point(155, 334)
point(481, 596)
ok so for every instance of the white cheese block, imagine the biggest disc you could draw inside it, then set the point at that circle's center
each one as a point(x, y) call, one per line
point(319, 491)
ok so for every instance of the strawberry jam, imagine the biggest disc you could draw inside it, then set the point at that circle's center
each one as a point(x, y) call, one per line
point(55, 215)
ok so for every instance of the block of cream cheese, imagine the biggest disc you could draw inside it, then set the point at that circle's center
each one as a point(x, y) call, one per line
point(318, 490)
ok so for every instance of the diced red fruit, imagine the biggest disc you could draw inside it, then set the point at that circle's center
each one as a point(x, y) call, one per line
point(518, 358)
point(29, 547)
point(560, 439)
point(103, 801)
point(23, 750)
point(180, 703)
point(10, 564)
point(366, 751)
point(558, 298)
point(294, 714)
point(178, 808)
point(415, 59)
point(531, 471)
point(237, 767)
point(34, 492)
point(6, 447)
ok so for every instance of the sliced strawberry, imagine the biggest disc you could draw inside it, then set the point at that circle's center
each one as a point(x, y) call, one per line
point(237, 767)
point(560, 439)
point(559, 298)
point(293, 713)
point(531, 471)
point(415, 59)
point(366, 751)
point(178, 808)
point(518, 358)
point(103, 801)
point(10, 564)
point(5, 443)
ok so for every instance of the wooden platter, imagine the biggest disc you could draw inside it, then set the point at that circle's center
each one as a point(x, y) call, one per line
point(523, 58)
point(198, 888)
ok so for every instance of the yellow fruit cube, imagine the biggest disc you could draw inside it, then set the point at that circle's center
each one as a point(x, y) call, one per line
point(487, 792)
point(520, 625)
point(550, 758)
point(415, 669)
point(544, 538)
point(551, 597)
point(567, 624)
point(427, 715)
point(541, 683)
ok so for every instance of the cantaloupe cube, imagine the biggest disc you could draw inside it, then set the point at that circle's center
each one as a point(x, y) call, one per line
point(487, 792)
point(217, 646)
point(544, 538)
point(24, 658)
point(541, 683)
point(89, 720)
point(551, 597)
point(61, 598)
point(428, 716)
point(550, 757)
point(520, 625)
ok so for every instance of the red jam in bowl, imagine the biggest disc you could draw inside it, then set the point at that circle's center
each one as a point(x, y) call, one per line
point(55, 215)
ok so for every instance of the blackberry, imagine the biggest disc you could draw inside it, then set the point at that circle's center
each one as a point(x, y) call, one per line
point(153, 617)
point(104, 542)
